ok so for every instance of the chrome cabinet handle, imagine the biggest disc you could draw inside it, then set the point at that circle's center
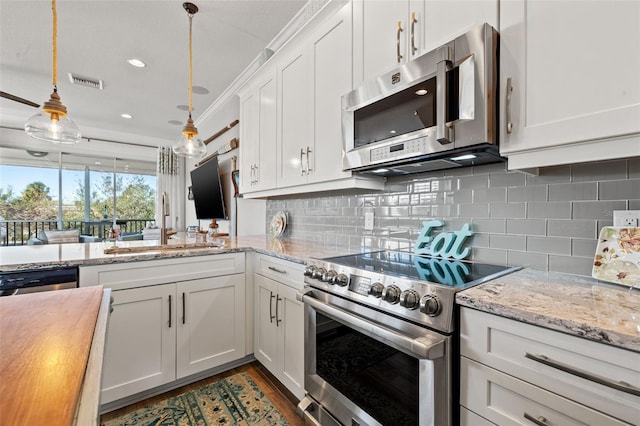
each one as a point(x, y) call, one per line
point(540, 421)
point(301, 163)
point(111, 300)
point(251, 175)
point(281, 271)
point(278, 320)
point(271, 316)
point(508, 106)
point(414, 49)
point(308, 152)
point(184, 309)
point(444, 133)
point(256, 179)
point(398, 55)
point(621, 386)
point(169, 311)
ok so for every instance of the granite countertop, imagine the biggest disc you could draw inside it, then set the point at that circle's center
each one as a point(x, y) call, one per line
point(581, 306)
point(576, 305)
point(27, 257)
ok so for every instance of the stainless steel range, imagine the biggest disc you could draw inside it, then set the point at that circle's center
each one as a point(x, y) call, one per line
point(378, 337)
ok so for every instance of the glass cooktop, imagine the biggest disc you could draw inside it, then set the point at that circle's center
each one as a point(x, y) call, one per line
point(460, 274)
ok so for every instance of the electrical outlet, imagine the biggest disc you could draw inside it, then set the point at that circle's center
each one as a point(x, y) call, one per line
point(629, 218)
point(368, 221)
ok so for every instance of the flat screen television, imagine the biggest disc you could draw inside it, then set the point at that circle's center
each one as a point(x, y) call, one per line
point(207, 191)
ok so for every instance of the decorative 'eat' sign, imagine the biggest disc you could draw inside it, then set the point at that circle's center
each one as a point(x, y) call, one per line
point(445, 244)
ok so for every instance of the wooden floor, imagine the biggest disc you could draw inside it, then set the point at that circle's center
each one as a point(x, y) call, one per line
point(279, 396)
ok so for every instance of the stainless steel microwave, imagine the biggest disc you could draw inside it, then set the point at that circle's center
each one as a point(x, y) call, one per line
point(436, 112)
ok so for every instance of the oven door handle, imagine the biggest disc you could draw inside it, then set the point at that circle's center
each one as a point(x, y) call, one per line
point(430, 346)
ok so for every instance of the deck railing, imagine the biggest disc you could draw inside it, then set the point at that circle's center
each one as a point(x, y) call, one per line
point(18, 232)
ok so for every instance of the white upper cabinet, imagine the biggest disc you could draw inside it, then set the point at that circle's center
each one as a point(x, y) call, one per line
point(445, 19)
point(392, 32)
point(258, 133)
point(380, 36)
point(570, 81)
point(303, 126)
point(331, 74)
point(294, 125)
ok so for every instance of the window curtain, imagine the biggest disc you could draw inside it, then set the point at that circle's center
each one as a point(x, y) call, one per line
point(171, 180)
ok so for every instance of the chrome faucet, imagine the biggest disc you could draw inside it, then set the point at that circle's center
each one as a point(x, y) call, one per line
point(165, 212)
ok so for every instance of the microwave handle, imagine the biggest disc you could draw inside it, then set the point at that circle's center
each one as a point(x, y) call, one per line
point(444, 133)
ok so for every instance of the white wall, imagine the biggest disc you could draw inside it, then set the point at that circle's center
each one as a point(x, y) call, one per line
point(246, 217)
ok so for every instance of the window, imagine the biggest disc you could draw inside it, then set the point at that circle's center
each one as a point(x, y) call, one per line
point(73, 191)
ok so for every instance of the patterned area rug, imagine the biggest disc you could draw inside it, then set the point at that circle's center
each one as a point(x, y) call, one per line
point(235, 400)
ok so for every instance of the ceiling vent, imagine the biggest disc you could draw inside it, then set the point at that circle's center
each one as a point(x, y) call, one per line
point(85, 81)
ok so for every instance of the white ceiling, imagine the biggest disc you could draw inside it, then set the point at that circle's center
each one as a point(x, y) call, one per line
point(95, 39)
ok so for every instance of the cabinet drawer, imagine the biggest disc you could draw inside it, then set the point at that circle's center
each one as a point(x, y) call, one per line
point(284, 271)
point(119, 276)
point(506, 400)
point(545, 358)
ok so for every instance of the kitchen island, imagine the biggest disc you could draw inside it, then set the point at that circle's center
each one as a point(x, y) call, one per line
point(52, 345)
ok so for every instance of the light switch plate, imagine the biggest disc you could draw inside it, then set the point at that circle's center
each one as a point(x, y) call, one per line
point(629, 218)
point(368, 221)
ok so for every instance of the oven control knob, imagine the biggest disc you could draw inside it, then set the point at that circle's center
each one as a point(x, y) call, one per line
point(410, 299)
point(329, 276)
point(391, 294)
point(430, 305)
point(309, 270)
point(376, 290)
point(341, 279)
point(318, 273)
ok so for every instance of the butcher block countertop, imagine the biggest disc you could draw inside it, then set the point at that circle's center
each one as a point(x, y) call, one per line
point(52, 345)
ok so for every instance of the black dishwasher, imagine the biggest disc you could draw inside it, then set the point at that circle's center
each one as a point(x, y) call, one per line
point(35, 280)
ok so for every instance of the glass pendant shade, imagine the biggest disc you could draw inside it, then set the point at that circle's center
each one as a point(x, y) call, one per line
point(190, 146)
point(44, 127)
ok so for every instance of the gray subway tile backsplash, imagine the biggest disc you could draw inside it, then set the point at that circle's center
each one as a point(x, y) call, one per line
point(548, 221)
point(619, 189)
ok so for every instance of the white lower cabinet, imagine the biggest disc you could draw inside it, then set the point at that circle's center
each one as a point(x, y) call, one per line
point(178, 317)
point(513, 373)
point(279, 321)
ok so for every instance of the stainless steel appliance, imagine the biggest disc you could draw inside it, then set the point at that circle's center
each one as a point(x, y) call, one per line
point(436, 112)
point(378, 337)
point(36, 280)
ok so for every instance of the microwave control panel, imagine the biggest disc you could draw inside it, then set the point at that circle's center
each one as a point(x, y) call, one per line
point(401, 149)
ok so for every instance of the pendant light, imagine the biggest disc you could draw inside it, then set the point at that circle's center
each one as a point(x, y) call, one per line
point(189, 145)
point(52, 123)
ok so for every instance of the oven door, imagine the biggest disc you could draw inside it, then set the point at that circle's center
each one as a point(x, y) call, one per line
point(363, 367)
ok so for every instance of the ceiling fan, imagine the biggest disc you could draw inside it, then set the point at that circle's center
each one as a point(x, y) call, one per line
point(18, 99)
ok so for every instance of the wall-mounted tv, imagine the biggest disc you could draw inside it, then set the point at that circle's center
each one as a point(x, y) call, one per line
point(207, 191)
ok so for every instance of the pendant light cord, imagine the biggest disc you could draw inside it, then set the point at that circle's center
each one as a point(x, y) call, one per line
point(55, 45)
point(190, 66)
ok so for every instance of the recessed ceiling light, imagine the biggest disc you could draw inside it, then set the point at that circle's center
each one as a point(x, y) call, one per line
point(421, 92)
point(184, 108)
point(136, 63)
point(126, 115)
point(175, 122)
